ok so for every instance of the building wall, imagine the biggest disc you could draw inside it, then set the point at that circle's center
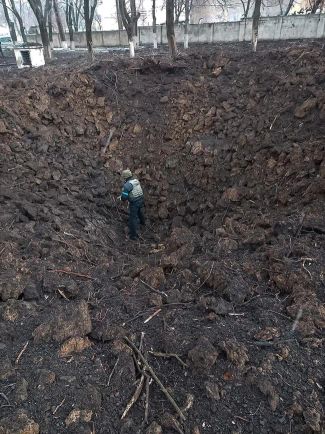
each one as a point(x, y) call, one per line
point(270, 29)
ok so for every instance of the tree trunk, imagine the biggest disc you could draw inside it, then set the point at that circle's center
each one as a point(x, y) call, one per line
point(187, 20)
point(20, 21)
point(134, 20)
point(59, 23)
point(170, 27)
point(118, 15)
point(256, 18)
point(45, 38)
point(70, 27)
point(10, 23)
point(129, 23)
point(290, 4)
point(50, 25)
point(36, 7)
point(154, 25)
point(88, 29)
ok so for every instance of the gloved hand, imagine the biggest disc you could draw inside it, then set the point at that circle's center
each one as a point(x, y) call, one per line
point(119, 198)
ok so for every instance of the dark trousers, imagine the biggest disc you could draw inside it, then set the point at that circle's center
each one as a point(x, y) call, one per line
point(135, 215)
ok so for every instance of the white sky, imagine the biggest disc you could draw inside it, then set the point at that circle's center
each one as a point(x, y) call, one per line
point(108, 13)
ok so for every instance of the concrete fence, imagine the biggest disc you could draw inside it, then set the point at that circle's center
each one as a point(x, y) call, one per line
point(270, 29)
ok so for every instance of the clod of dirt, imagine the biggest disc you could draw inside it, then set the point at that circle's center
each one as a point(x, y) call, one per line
point(6, 368)
point(305, 108)
point(76, 416)
point(217, 305)
point(102, 331)
point(169, 421)
point(212, 390)
point(154, 428)
point(45, 378)
point(74, 345)
point(18, 423)
point(237, 353)
point(312, 418)
point(267, 334)
point(211, 276)
point(153, 276)
point(11, 286)
point(21, 393)
point(68, 321)
point(204, 355)
point(31, 292)
point(266, 387)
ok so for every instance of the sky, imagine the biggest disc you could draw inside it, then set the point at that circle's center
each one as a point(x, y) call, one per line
point(108, 13)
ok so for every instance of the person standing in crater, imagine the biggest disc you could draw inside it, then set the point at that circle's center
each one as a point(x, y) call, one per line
point(132, 192)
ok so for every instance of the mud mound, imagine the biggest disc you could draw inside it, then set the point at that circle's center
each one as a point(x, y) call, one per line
point(228, 275)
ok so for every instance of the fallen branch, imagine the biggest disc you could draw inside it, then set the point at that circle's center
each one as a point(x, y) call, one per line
point(296, 321)
point(112, 372)
point(168, 355)
point(5, 398)
point(154, 376)
point(152, 316)
point(135, 397)
point(86, 276)
point(107, 143)
point(146, 409)
point(62, 294)
point(60, 405)
point(21, 353)
point(153, 289)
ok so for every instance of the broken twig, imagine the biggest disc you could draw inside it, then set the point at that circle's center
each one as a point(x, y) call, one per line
point(154, 376)
point(57, 407)
point(152, 316)
point(86, 276)
point(135, 397)
point(107, 143)
point(112, 372)
point(153, 289)
point(21, 353)
point(169, 355)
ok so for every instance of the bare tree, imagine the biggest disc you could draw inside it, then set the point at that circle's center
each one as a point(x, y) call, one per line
point(89, 12)
point(288, 9)
point(179, 8)
point(315, 5)
point(130, 23)
point(154, 25)
point(188, 7)
point(69, 20)
point(118, 15)
point(76, 13)
point(10, 23)
point(59, 24)
point(256, 18)
point(37, 8)
point(246, 6)
point(170, 27)
point(19, 19)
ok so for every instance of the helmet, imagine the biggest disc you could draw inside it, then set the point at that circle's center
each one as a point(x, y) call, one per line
point(126, 174)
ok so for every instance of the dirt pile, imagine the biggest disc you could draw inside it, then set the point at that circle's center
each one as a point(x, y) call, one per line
point(229, 275)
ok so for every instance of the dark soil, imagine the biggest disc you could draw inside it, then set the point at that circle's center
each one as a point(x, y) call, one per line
point(229, 147)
